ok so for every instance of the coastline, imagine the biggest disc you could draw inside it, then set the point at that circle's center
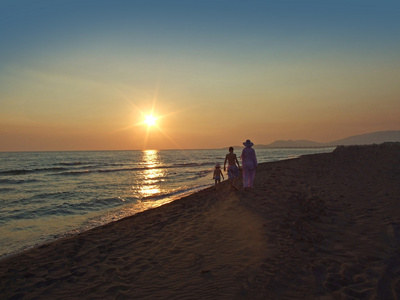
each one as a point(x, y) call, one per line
point(322, 225)
point(42, 204)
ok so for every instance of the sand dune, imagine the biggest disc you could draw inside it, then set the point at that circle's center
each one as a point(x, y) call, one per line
point(323, 226)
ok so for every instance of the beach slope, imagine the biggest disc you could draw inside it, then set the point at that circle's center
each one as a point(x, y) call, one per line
point(322, 226)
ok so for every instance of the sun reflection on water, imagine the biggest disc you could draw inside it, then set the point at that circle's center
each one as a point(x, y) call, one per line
point(151, 175)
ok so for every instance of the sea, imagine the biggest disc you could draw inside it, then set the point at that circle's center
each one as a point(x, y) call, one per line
point(46, 196)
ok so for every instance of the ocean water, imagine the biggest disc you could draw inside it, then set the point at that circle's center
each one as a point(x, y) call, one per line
point(49, 195)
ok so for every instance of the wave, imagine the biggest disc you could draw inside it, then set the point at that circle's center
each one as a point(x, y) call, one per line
point(186, 165)
point(74, 172)
point(77, 163)
point(95, 168)
point(62, 209)
point(56, 195)
point(203, 173)
point(44, 211)
point(84, 172)
point(80, 163)
point(16, 172)
point(112, 170)
point(91, 169)
point(29, 171)
point(17, 181)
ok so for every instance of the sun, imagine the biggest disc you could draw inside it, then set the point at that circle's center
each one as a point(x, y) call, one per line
point(153, 121)
point(150, 120)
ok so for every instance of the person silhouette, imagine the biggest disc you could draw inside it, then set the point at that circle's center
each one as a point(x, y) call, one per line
point(217, 175)
point(249, 165)
point(233, 170)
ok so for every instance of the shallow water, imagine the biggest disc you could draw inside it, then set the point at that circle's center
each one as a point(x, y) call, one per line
point(48, 195)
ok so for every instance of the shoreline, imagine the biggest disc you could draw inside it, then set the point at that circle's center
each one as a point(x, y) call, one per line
point(116, 211)
point(57, 219)
point(321, 225)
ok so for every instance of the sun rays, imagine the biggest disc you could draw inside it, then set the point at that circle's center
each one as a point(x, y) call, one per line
point(151, 120)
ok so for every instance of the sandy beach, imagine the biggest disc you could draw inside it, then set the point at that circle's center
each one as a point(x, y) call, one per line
point(322, 226)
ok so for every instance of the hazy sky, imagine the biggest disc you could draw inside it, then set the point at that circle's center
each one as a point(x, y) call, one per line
point(81, 75)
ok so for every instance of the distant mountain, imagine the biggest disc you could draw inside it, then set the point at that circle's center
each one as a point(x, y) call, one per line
point(378, 137)
point(291, 144)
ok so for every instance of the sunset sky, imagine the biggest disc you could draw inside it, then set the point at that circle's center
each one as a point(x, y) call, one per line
point(82, 75)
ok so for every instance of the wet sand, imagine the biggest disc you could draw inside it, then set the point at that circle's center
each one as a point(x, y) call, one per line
point(322, 226)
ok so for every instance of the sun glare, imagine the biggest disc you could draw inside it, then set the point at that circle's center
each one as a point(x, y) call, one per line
point(150, 120)
point(147, 117)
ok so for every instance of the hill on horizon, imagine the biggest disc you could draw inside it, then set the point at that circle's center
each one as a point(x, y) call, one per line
point(377, 137)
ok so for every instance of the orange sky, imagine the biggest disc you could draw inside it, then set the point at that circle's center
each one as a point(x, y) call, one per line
point(81, 76)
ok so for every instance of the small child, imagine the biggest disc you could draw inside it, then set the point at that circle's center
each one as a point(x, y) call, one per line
point(217, 175)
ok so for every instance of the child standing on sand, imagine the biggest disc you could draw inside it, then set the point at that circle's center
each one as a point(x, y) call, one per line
point(233, 170)
point(217, 175)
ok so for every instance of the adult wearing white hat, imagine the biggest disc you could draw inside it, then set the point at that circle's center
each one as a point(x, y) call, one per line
point(249, 165)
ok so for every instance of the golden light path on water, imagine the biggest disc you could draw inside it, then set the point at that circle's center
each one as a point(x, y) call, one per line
point(151, 174)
